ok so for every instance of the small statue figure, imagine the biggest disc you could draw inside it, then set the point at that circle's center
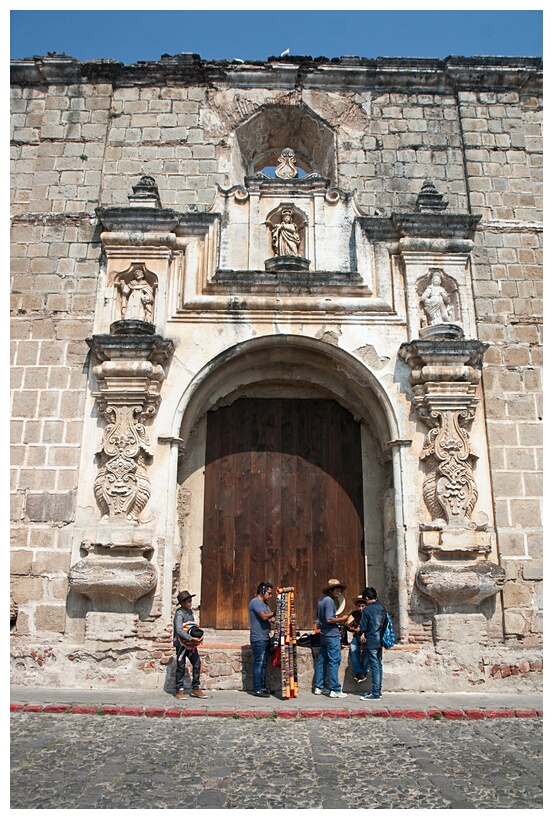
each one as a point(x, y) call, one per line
point(286, 168)
point(435, 300)
point(286, 237)
point(137, 297)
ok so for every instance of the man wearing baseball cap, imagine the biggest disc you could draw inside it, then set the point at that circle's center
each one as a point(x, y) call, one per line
point(330, 652)
point(186, 646)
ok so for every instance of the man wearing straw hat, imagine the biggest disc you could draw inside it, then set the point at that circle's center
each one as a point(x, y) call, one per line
point(330, 652)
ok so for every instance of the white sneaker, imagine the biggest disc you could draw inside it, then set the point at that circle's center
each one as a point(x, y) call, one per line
point(338, 694)
point(320, 690)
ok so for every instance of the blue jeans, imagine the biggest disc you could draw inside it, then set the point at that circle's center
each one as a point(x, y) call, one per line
point(330, 655)
point(359, 658)
point(374, 657)
point(260, 651)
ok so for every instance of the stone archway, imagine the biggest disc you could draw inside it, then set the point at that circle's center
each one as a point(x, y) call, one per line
point(277, 370)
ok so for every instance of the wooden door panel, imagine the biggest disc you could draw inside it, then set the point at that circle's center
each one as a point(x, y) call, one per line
point(283, 502)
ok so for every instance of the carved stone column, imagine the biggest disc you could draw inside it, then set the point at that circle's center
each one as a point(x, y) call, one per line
point(446, 371)
point(115, 573)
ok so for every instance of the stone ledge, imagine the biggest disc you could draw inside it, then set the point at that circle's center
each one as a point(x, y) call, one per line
point(412, 74)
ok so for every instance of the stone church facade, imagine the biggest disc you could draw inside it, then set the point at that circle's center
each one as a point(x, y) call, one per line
point(275, 321)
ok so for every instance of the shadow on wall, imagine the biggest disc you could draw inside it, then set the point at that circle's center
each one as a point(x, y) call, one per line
point(307, 659)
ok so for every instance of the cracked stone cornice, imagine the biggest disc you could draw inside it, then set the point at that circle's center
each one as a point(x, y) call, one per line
point(431, 226)
point(138, 220)
point(355, 73)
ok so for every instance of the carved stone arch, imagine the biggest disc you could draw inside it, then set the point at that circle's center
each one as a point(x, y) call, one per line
point(272, 128)
point(280, 370)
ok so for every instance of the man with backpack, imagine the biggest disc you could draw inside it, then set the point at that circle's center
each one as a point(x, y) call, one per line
point(373, 619)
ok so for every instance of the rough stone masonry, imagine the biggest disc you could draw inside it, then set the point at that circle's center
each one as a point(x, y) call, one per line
point(160, 326)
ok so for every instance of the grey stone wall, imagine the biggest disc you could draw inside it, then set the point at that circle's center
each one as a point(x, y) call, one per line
point(54, 279)
point(82, 135)
point(502, 139)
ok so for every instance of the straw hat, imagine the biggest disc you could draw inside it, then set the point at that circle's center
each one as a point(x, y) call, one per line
point(333, 583)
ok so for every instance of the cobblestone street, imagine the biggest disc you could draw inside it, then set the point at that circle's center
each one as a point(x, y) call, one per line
point(102, 762)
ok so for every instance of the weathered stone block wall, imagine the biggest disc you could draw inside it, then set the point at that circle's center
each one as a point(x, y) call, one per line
point(85, 142)
point(502, 138)
point(55, 262)
point(406, 139)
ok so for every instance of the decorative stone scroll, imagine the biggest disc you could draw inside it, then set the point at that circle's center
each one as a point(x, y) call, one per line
point(286, 168)
point(129, 383)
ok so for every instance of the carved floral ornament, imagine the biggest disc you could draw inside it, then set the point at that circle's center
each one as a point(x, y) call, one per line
point(445, 375)
point(122, 487)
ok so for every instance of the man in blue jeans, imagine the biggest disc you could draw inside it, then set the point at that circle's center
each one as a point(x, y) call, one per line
point(330, 652)
point(260, 624)
point(369, 628)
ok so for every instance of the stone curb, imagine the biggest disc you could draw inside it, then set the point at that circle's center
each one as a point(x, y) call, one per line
point(283, 713)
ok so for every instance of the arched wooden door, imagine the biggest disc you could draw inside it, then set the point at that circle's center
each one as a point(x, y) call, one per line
point(283, 503)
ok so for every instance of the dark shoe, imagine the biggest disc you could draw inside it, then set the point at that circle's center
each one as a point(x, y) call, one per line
point(180, 695)
point(370, 697)
point(261, 694)
point(196, 692)
point(360, 677)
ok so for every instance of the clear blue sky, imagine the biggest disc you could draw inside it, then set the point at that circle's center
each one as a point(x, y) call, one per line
point(130, 36)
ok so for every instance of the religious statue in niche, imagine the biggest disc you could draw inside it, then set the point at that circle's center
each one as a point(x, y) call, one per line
point(436, 301)
point(285, 235)
point(137, 294)
point(286, 168)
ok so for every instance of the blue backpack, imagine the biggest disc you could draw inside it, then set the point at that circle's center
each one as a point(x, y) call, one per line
point(387, 636)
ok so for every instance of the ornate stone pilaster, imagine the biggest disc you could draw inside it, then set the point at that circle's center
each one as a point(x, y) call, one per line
point(116, 570)
point(129, 382)
point(445, 373)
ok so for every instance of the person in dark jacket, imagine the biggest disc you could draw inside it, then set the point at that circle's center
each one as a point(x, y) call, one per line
point(369, 631)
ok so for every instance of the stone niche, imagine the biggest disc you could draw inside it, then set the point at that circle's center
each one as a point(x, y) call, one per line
point(317, 250)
